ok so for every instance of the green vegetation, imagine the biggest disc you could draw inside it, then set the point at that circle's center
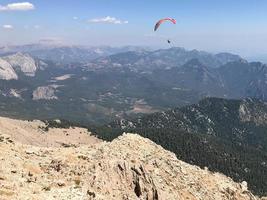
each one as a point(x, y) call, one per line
point(210, 134)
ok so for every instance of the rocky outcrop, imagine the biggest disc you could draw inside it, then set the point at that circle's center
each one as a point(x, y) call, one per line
point(63, 77)
point(14, 93)
point(128, 168)
point(44, 92)
point(253, 111)
point(6, 71)
point(37, 133)
point(23, 62)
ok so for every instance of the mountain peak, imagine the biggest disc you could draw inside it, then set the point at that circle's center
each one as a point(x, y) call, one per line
point(195, 65)
point(194, 62)
point(6, 71)
point(130, 167)
point(23, 61)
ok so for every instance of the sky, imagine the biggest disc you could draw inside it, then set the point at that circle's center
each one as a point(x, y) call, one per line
point(238, 26)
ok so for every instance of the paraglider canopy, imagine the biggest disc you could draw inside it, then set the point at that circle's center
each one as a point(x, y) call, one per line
point(162, 21)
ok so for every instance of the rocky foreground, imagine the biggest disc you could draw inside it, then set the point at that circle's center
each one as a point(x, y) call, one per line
point(129, 168)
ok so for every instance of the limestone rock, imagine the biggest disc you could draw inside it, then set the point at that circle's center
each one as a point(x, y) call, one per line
point(23, 62)
point(45, 92)
point(6, 71)
point(130, 167)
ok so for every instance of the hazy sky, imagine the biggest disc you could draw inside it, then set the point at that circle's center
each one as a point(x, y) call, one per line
point(238, 26)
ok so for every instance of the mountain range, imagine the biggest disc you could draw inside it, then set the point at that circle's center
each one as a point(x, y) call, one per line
point(67, 54)
point(175, 97)
point(121, 85)
point(228, 136)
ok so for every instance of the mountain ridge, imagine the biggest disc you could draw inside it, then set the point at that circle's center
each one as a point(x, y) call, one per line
point(130, 167)
point(111, 87)
point(228, 136)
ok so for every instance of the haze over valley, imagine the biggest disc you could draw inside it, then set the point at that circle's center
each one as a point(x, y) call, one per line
point(114, 83)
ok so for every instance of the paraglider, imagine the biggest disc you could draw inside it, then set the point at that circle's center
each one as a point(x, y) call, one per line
point(162, 21)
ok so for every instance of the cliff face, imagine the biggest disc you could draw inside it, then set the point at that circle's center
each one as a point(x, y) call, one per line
point(24, 62)
point(45, 92)
point(6, 71)
point(130, 167)
point(10, 65)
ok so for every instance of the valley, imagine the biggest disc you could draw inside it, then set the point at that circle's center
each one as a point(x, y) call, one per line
point(106, 88)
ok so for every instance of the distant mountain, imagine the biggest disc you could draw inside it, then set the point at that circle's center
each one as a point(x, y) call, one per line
point(67, 55)
point(6, 71)
point(22, 62)
point(63, 54)
point(229, 136)
point(161, 59)
point(16, 64)
point(120, 85)
point(180, 56)
point(137, 57)
point(192, 76)
point(239, 79)
point(245, 79)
